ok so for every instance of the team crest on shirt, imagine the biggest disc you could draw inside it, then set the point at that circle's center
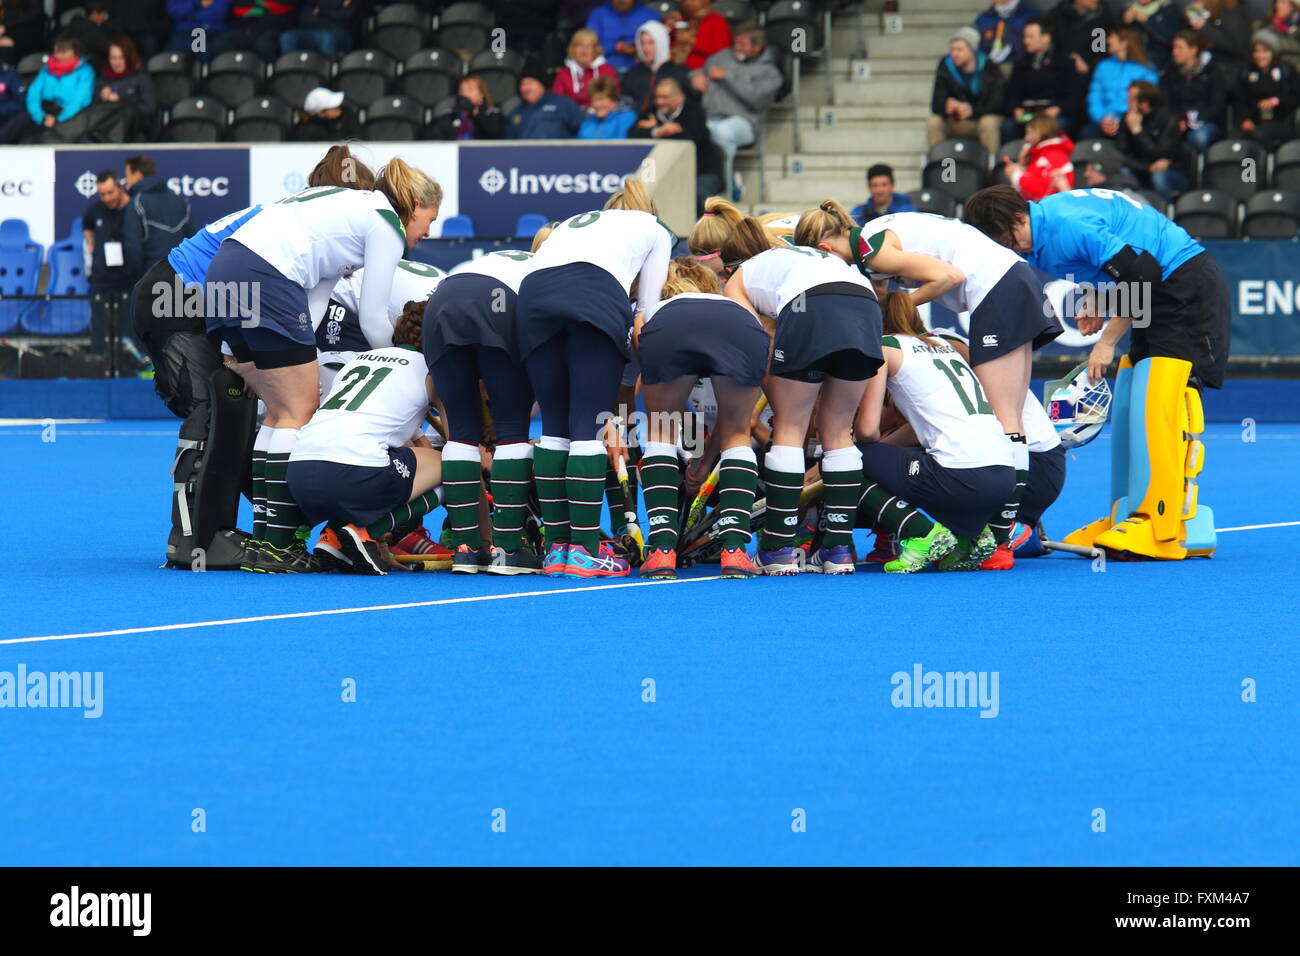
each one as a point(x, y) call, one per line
point(333, 329)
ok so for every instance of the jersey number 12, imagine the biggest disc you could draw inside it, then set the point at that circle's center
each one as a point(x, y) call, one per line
point(955, 370)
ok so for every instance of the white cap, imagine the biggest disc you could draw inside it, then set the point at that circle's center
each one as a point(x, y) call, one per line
point(322, 99)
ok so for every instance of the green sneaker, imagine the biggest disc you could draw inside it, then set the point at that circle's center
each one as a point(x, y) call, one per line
point(969, 555)
point(915, 553)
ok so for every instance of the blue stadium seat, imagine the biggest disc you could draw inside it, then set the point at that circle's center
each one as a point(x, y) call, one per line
point(67, 277)
point(527, 225)
point(20, 268)
point(458, 227)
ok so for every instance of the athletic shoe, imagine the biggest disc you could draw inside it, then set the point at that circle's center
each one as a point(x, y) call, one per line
point(605, 563)
point(969, 555)
point(659, 563)
point(361, 550)
point(782, 562)
point(1003, 559)
point(469, 561)
point(329, 552)
point(251, 547)
point(915, 553)
point(435, 556)
point(885, 549)
point(557, 556)
point(523, 561)
point(737, 564)
point(836, 560)
point(291, 560)
point(1020, 533)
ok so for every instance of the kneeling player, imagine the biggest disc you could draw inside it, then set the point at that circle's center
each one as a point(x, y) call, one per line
point(361, 463)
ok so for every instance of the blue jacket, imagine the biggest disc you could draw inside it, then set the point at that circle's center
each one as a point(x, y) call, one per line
point(1108, 92)
point(901, 202)
point(155, 221)
point(73, 92)
point(13, 90)
point(613, 126)
point(1013, 31)
point(552, 117)
point(613, 27)
point(191, 14)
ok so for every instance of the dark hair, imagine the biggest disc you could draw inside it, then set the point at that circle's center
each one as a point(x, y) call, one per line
point(66, 41)
point(1147, 93)
point(338, 167)
point(899, 316)
point(1040, 22)
point(141, 164)
point(1192, 38)
point(410, 324)
point(129, 52)
point(106, 176)
point(1137, 49)
point(606, 86)
point(880, 169)
point(669, 81)
point(747, 240)
point(994, 211)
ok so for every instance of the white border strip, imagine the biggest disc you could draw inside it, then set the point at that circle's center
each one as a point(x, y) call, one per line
point(1256, 527)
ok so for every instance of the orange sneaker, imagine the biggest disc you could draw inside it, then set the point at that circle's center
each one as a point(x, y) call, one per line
point(736, 563)
point(659, 563)
point(362, 550)
point(1003, 559)
point(329, 551)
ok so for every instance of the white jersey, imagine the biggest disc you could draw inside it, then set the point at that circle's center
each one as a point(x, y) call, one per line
point(378, 401)
point(980, 259)
point(624, 242)
point(412, 282)
point(937, 392)
point(782, 225)
point(507, 266)
point(776, 277)
point(1040, 433)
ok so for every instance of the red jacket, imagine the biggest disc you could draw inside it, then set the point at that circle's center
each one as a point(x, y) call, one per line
point(712, 35)
point(572, 80)
point(1041, 165)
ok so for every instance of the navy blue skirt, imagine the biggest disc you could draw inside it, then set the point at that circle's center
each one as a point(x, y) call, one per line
point(470, 309)
point(821, 324)
point(553, 298)
point(351, 494)
point(703, 337)
point(247, 293)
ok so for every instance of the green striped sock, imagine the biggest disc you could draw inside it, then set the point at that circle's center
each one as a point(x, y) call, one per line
point(890, 514)
point(461, 481)
point(783, 475)
point(259, 493)
point(842, 480)
point(661, 478)
point(737, 479)
point(403, 516)
point(284, 518)
point(584, 482)
point(512, 478)
point(549, 467)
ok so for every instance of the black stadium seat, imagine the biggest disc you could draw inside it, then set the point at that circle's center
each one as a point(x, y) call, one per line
point(32, 64)
point(394, 117)
point(736, 12)
point(1009, 151)
point(430, 75)
point(199, 119)
point(1152, 199)
point(173, 77)
point(400, 29)
point(365, 75)
point(465, 26)
point(1286, 166)
point(1272, 214)
point(297, 74)
point(1236, 166)
point(1207, 213)
point(957, 166)
point(934, 200)
point(500, 71)
point(234, 77)
point(266, 119)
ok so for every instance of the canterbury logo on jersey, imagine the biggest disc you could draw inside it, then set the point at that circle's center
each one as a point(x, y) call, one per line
point(836, 518)
point(792, 520)
point(990, 341)
point(658, 520)
point(731, 519)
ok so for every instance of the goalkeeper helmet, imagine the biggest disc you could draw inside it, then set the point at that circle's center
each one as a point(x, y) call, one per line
point(1077, 407)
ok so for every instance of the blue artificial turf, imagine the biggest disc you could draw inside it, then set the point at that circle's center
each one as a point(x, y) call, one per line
point(1118, 690)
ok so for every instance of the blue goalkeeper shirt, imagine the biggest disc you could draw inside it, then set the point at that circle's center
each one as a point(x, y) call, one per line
point(1075, 233)
point(192, 257)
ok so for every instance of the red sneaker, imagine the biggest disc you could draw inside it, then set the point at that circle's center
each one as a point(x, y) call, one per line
point(1003, 559)
point(659, 563)
point(884, 551)
point(736, 563)
point(418, 548)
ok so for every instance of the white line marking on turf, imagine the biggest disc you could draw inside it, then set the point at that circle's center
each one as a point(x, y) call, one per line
point(1256, 527)
point(350, 610)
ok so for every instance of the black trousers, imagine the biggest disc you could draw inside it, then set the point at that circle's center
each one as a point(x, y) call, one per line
point(1191, 319)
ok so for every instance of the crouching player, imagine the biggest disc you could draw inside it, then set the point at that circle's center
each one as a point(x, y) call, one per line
point(361, 463)
point(1179, 345)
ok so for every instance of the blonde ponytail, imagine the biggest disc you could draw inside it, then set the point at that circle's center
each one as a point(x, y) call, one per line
point(719, 221)
point(687, 275)
point(633, 196)
point(407, 188)
point(338, 167)
point(747, 240)
point(826, 222)
point(541, 235)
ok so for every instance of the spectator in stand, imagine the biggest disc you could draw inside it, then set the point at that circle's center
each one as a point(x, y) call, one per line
point(605, 119)
point(1074, 26)
point(22, 28)
point(615, 26)
point(1267, 94)
point(125, 81)
point(1284, 23)
point(1152, 143)
point(144, 21)
point(699, 33)
point(1044, 166)
point(256, 25)
point(14, 121)
point(1108, 96)
point(1001, 28)
point(968, 95)
point(881, 198)
point(654, 63)
point(155, 220)
point(1196, 91)
point(736, 87)
point(101, 228)
point(92, 29)
point(1158, 20)
point(676, 116)
point(326, 26)
point(192, 19)
point(541, 115)
point(475, 115)
point(1224, 26)
point(585, 62)
point(63, 88)
point(1043, 82)
point(325, 117)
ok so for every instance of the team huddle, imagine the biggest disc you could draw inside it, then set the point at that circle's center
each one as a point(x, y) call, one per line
point(391, 389)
